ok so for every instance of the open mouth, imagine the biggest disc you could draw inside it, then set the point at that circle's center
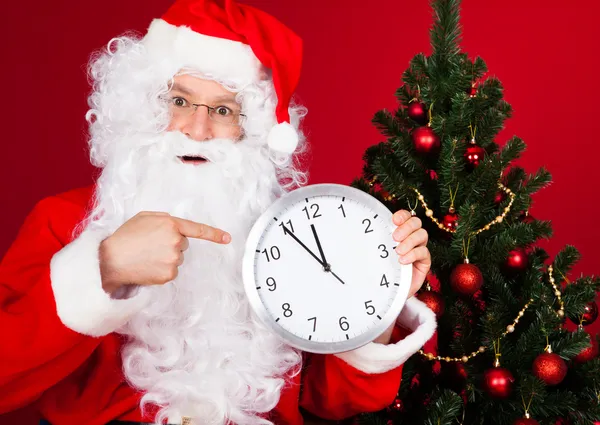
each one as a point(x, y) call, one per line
point(193, 159)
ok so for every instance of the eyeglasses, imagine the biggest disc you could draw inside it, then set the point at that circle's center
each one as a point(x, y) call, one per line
point(220, 114)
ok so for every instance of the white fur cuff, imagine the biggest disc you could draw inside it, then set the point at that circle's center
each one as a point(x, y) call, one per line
point(379, 358)
point(81, 303)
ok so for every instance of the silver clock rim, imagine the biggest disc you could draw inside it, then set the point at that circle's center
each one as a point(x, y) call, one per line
point(250, 285)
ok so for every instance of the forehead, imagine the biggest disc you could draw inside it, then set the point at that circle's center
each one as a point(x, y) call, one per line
point(200, 89)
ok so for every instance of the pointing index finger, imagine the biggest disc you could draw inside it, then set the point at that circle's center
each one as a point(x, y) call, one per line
point(191, 229)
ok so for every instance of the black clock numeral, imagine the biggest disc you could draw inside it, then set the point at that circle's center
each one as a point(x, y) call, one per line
point(384, 251)
point(344, 325)
point(271, 284)
point(384, 282)
point(368, 229)
point(370, 308)
point(290, 226)
point(287, 310)
point(275, 254)
point(314, 207)
point(314, 323)
point(341, 207)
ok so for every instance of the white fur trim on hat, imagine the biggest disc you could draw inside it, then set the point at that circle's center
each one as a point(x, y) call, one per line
point(81, 303)
point(283, 138)
point(379, 358)
point(222, 59)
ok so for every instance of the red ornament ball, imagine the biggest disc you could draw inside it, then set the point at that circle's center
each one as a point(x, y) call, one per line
point(588, 353)
point(500, 197)
point(450, 221)
point(397, 405)
point(525, 217)
point(474, 155)
point(472, 90)
point(426, 142)
point(591, 313)
point(562, 421)
point(517, 261)
point(498, 382)
point(526, 421)
point(417, 111)
point(466, 279)
point(460, 371)
point(434, 301)
point(550, 368)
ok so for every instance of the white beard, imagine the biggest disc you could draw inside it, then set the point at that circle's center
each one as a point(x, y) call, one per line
point(197, 350)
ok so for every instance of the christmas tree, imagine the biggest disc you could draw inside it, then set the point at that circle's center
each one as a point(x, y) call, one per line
point(504, 354)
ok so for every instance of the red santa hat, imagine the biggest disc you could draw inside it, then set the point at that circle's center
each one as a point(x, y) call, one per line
point(233, 43)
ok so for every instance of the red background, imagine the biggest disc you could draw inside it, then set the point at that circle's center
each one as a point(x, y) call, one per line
point(544, 52)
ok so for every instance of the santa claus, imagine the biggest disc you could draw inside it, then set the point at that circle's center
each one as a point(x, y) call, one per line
point(123, 302)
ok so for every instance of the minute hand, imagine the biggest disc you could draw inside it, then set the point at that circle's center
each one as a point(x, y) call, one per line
point(326, 265)
point(312, 226)
point(287, 232)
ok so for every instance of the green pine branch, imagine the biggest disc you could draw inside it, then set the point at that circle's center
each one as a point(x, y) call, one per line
point(445, 33)
point(445, 408)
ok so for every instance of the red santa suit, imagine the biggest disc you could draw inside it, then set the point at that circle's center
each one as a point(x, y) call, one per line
point(75, 377)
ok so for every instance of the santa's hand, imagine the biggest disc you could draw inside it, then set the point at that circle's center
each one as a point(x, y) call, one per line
point(412, 247)
point(148, 249)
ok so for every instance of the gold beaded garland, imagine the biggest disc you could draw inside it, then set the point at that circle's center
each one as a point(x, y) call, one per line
point(389, 197)
point(561, 311)
point(497, 220)
point(465, 358)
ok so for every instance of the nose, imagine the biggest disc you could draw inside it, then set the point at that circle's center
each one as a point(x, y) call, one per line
point(198, 126)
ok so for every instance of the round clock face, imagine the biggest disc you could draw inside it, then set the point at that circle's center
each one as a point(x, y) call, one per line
point(320, 268)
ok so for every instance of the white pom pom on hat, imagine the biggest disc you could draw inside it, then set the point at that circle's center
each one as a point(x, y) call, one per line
point(283, 138)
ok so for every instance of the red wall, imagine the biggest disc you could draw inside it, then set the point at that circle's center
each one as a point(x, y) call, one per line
point(545, 53)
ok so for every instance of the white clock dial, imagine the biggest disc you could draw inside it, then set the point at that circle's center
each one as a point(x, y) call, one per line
point(321, 271)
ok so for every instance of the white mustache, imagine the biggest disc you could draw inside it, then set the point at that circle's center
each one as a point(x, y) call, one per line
point(218, 151)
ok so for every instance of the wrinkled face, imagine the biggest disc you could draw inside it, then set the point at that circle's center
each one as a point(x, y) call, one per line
point(203, 110)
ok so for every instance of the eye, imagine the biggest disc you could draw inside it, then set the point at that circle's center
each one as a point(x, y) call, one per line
point(223, 110)
point(179, 102)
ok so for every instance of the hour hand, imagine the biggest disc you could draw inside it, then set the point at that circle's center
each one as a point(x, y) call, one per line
point(287, 232)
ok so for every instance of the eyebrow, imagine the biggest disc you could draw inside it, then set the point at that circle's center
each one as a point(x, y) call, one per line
point(220, 99)
point(178, 87)
point(225, 99)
